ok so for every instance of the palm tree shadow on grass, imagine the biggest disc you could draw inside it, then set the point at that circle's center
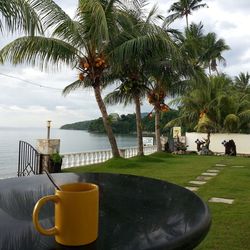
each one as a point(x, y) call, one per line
point(135, 162)
point(147, 159)
point(123, 164)
point(164, 155)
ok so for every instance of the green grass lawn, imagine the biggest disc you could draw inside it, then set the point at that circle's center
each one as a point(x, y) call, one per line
point(230, 223)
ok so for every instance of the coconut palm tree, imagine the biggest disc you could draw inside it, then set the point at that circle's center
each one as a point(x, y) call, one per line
point(242, 82)
point(131, 68)
point(199, 106)
point(86, 43)
point(214, 107)
point(19, 15)
point(79, 43)
point(184, 8)
point(156, 98)
point(203, 50)
point(192, 43)
point(170, 76)
point(168, 79)
point(131, 90)
point(212, 51)
point(133, 71)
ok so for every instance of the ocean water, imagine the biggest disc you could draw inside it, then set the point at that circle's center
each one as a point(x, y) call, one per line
point(71, 141)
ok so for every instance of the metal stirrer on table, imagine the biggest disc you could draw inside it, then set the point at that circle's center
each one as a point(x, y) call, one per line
point(52, 179)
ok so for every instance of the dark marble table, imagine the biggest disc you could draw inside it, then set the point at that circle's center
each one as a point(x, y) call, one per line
point(135, 213)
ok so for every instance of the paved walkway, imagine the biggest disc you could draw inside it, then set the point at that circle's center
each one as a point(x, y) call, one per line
point(205, 177)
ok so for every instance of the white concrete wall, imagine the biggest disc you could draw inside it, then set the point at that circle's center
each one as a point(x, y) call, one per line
point(242, 142)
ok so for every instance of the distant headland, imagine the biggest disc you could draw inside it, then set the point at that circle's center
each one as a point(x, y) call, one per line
point(121, 124)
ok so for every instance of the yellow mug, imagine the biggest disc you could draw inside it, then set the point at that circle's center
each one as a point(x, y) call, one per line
point(76, 214)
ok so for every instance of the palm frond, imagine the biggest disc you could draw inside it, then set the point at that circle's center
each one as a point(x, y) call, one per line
point(118, 97)
point(71, 31)
point(19, 15)
point(171, 18)
point(40, 51)
point(231, 123)
point(72, 87)
point(52, 14)
point(92, 15)
point(153, 13)
point(140, 46)
point(175, 122)
point(198, 6)
point(245, 115)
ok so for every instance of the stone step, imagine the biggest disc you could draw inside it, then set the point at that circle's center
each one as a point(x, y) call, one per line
point(204, 178)
point(213, 170)
point(221, 200)
point(193, 189)
point(209, 174)
point(198, 182)
point(220, 165)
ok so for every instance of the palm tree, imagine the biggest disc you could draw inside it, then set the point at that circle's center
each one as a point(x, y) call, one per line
point(184, 8)
point(79, 43)
point(156, 97)
point(203, 50)
point(19, 15)
point(167, 80)
point(199, 107)
point(130, 71)
point(192, 43)
point(242, 82)
point(213, 49)
point(131, 90)
point(141, 41)
point(215, 106)
point(170, 74)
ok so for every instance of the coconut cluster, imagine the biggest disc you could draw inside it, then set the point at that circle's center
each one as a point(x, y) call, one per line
point(157, 99)
point(91, 68)
point(203, 113)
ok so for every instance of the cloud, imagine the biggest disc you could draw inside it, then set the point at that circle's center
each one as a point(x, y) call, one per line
point(225, 25)
point(36, 116)
point(21, 101)
point(69, 6)
point(242, 6)
point(32, 106)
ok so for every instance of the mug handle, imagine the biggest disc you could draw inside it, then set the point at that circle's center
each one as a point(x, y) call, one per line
point(39, 204)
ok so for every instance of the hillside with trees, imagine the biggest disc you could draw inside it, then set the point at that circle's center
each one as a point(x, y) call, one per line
point(124, 124)
point(84, 125)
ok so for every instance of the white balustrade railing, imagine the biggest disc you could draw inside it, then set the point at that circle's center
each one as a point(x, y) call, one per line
point(148, 150)
point(87, 158)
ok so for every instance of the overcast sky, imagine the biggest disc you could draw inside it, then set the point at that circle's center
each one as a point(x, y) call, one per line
point(25, 105)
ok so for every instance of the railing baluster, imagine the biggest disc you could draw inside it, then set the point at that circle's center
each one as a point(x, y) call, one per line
point(29, 158)
point(87, 158)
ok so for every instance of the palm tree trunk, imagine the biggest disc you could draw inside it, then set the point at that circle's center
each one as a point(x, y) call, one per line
point(138, 125)
point(217, 71)
point(157, 130)
point(187, 20)
point(106, 122)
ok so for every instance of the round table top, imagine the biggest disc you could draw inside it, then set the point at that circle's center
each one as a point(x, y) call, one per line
point(135, 213)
